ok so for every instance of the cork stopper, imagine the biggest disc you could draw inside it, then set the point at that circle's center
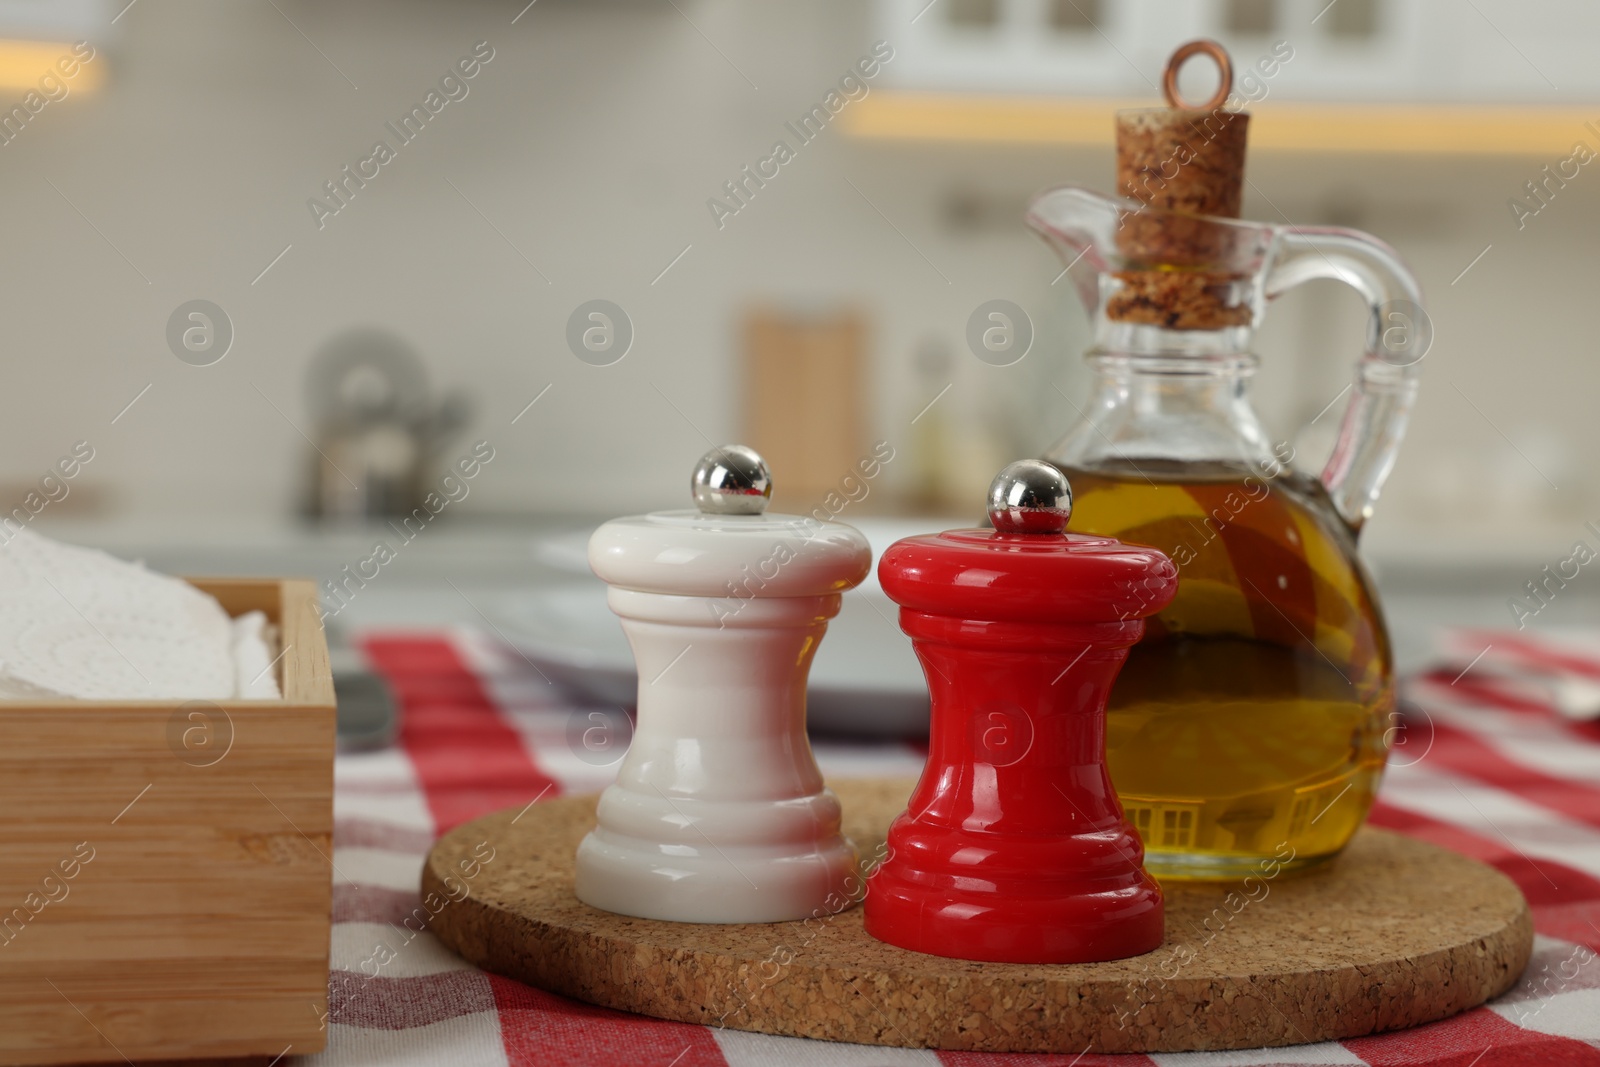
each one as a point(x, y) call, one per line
point(1185, 160)
point(1185, 157)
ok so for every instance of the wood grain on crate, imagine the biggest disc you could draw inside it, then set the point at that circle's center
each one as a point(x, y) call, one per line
point(195, 922)
point(1394, 933)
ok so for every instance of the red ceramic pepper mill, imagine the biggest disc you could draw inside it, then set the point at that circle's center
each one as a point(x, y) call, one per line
point(1013, 847)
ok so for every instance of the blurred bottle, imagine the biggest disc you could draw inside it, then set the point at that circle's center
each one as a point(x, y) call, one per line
point(960, 439)
point(931, 448)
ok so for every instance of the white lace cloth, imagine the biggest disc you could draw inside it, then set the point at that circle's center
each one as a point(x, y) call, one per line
point(77, 623)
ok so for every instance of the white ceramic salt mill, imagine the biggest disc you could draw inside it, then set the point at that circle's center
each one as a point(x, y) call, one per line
point(718, 813)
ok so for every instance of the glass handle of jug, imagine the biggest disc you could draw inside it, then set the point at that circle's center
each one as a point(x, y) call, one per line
point(1399, 334)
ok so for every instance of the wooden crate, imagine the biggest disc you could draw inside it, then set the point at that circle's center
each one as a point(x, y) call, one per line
point(165, 868)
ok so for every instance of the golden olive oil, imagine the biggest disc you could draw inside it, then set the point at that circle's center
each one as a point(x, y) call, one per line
point(1254, 713)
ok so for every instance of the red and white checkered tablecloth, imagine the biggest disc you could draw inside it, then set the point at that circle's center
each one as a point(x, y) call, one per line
point(1500, 777)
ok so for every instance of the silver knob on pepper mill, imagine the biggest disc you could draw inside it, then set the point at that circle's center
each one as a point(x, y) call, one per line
point(1030, 496)
point(731, 480)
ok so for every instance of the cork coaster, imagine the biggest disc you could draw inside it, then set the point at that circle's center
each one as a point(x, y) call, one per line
point(1394, 933)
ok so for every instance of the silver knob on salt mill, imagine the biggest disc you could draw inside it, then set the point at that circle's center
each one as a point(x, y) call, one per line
point(731, 480)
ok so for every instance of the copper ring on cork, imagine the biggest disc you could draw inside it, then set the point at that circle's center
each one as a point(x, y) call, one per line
point(1218, 54)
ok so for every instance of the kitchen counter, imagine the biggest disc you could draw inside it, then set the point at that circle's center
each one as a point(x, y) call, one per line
point(453, 571)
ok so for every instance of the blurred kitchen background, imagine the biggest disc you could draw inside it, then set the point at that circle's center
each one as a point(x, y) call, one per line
point(578, 167)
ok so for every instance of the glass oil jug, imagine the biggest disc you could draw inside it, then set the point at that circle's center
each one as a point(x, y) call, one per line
point(1250, 725)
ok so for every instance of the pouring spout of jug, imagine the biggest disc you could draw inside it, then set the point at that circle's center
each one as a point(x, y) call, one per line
point(1080, 226)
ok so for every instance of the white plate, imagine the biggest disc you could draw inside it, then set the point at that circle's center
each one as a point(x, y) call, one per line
point(865, 679)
